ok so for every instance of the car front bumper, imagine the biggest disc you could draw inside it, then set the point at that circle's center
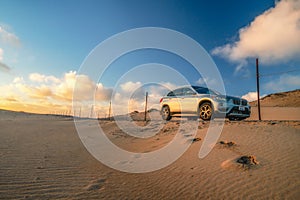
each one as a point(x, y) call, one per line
point(236, 111)
point(232, 110)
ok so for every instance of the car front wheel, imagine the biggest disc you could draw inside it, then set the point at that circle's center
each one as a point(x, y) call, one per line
point(206, 111)
point(165, 113)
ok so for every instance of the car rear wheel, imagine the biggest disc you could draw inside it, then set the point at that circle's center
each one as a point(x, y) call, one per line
point(165, 113)
point(206, 111)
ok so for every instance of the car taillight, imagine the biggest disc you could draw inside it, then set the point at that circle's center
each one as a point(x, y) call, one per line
point(161, 100)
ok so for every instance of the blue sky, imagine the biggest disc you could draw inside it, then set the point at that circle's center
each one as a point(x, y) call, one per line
point(52, 38)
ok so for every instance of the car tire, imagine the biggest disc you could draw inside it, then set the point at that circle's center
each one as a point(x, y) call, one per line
point(206, 111)
point(165, 113)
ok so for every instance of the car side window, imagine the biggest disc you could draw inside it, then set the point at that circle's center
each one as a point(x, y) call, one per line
point(178, 92)
point(188, 92)
point(202, 90)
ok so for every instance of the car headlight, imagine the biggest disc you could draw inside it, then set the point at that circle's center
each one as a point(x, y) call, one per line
point(218, 98)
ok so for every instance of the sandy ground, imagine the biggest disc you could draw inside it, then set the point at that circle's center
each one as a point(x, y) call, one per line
point(42, 157)
point(276, 113)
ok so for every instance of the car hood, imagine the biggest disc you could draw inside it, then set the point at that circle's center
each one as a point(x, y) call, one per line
point(231, 97)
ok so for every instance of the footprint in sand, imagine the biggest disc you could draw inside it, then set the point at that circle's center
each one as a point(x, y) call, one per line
point(195, 140)
point(187, 135)
point(190, 139)
point(95, 184)
point(227, 144)
point(232, 146)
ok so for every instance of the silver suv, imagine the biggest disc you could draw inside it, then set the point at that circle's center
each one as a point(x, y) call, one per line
point(204, 103)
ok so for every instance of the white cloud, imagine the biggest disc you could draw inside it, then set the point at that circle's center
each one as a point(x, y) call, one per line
point(85, 87)
point(18, 80)
point(169, 86)
point(36, 77)
point(201, 81)
point(130, 86)
point(40, 78)
point(52, 79)
point(250, 96)
point(9, 37)
point(283, 83)
point(273, 36)
point(206, 81)
point(40, 92)
point(102, 93)
point(241, 68)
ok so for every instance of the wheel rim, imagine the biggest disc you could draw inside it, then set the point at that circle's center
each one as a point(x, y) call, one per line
point(165, 112)
point(205, 112)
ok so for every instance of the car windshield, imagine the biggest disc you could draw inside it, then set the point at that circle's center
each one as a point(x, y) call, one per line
point(203, 90)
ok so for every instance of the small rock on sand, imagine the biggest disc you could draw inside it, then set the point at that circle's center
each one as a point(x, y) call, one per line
point(247, 160)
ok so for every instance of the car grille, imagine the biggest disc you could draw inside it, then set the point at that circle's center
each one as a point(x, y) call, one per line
point(235, 109)
point(239, 102)
point(244, 102)
point(236, 101)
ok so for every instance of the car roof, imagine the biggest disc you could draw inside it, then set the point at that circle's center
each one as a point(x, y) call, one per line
point(190, 86)
point(187, 86)
point(195, 86)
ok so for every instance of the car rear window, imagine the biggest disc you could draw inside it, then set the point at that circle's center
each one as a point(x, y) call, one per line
point(171, 94)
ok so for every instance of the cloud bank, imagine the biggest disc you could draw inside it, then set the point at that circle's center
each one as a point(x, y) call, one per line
point(49, 94)
point(273, 37)
point(40, 91)
point(284, 83)
point(250, 96)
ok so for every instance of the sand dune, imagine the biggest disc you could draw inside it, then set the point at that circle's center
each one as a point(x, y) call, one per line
point(43, 158)
point(278, 106)
point(282, 99)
